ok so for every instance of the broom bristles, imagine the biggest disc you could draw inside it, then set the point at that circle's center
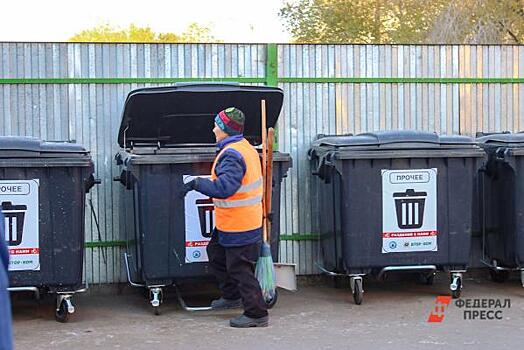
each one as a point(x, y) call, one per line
point(265, 273)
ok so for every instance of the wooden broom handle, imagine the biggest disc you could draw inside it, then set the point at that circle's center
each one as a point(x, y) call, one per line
point(269, 178)
point(264, 168)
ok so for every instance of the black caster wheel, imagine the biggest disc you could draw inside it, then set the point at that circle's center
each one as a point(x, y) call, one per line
point(156, 299)
point(358, 291)
point(499, 276)
point(270, 303)
point(427, 279)
point(62, 315)
point(456, 292)
point(156, 310)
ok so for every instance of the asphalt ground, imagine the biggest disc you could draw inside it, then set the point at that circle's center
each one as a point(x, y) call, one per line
point(393, 315)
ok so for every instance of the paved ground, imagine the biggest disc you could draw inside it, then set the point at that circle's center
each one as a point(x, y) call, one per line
point(393, 316)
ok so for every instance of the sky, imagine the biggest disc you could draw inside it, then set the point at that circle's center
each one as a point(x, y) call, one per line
point(238, 21)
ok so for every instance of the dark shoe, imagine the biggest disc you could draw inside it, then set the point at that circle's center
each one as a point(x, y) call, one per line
point(245, 322)
point(222, 304)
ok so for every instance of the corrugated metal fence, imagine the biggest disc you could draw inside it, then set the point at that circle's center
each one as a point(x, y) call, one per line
point(62, 91)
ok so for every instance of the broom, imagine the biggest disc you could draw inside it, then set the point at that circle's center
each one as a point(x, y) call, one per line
point(265, 271)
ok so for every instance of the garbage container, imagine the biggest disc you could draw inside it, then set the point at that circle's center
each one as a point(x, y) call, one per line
point(400, 201)
point(502, 204)
point(42, 196)
point(166, 139)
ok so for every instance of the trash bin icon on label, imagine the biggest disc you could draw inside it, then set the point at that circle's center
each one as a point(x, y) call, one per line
point(14, 222)
point(205, 214)
point(409, 207)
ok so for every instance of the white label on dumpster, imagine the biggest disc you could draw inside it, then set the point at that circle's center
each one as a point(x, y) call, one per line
point(409, 210)
point(19, 203)
point(200, 218)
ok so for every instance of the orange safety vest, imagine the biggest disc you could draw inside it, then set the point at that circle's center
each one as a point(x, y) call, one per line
point(243, 210)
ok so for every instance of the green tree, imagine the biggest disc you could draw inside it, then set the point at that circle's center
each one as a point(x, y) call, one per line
point(360, 21)
point(479, 22)
point(107, 33)
point(404, 21)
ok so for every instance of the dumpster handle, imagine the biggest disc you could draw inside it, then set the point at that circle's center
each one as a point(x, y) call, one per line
point(320, 164)
point(323, 161)
point(327, 272)
point(502, 153)
point(185, 306)
point(98, 229)
point(125, 130)
point(25, 289)
point(129, 275)
point(407, 268)
point(178, 258)
point(480, 186)
point(90, 182)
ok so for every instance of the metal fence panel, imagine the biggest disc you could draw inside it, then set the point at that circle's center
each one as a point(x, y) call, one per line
point(90, 113)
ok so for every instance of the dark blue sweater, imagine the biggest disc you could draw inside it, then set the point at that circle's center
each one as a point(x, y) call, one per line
point(230, 170)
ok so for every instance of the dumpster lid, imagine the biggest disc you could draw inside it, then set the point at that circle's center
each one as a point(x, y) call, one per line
point(396, 139)
point(185, 113)
point(505, 138)
point(31, 146)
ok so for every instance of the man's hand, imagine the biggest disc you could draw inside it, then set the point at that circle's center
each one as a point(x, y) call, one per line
point(189, 186)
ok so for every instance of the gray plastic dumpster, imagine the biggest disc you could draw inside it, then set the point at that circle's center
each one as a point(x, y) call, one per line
point(400, 201)
point(43, 186)
point(502, 204)
point(166, 139)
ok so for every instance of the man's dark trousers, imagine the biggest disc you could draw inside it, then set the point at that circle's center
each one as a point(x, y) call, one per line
point(234, 267)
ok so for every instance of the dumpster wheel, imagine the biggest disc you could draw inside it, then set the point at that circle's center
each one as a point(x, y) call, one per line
point(156, 299)
point(427, 279)
point(456, 285)
point(62, 315)
point(156, 310)
point(357, 289)
point(64, 308)
point(499, 276)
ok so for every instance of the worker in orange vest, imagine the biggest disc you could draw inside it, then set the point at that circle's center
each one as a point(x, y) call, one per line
point(236, 187)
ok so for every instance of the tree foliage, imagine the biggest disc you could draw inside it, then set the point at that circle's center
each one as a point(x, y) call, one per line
point(480, 22)
point(107, 33)
point(404, 21)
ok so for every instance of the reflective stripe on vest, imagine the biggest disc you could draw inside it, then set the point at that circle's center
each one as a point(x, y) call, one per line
point(237, 203)
point(242, 211)
point(250, 187)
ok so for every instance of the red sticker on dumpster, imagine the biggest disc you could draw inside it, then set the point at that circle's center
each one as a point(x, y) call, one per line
point(197, 243)
point(24, 251)
point(408, 234)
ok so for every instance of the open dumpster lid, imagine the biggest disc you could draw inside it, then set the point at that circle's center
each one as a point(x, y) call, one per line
point(28, 147)
point(185, 113)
